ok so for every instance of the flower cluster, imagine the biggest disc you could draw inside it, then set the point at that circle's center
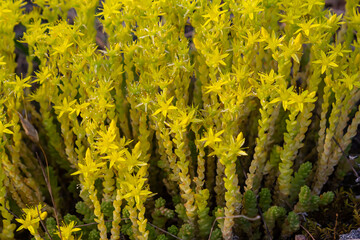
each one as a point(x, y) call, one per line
point(200, 104)
point(31, 218)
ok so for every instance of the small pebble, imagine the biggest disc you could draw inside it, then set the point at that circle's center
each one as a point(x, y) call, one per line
point(300, 237)
point(354, 234)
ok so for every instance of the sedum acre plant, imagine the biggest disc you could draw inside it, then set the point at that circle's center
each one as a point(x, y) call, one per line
point(176, 120)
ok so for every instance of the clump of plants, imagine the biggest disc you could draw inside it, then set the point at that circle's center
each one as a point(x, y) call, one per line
point(179, 120)
point(342, 215)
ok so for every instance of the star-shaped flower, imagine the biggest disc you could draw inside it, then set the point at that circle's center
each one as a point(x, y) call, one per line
point(211, 137)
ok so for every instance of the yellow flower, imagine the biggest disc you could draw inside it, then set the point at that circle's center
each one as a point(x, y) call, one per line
point(283, 97)
point(136, 186)
point(213, 13)
point(43, 75)
point(306, 27)
point(27, 222)
point(132, 159)
point(90, 168)
point(1, 61)
point(215, 58)
point(350, 81)
point(252, 37)
point(300, 99)
point(66, 107)
point(105, 143)
point(290, 51)
point(236, 144)
point(251, 7)
point(273, 42)
point(311, 3)
point(67, 230)
point(211, 138)
point(164, 106)
point(288, 97)
point(35, 211)
point(31, 218)
point(326, 61)
point(20, 84)
point(216, 86)
point(3, 128)
point(61, 49)
point(115, 157)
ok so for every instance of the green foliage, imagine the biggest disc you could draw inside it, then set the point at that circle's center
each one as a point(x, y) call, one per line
point(161, 214)
point(205, 223)
point(162, 237)
point(250, 204)
point(207, 105)
point(181, 211)
point(291, 224)
point(299, 180)
point(72, 218)
point(126, 229)
point(265, 199)
point(216, 234)
point(173, 230)
point(310, 202)
point(160, 202)
point(326, 198)
point(94, 234)
point(152, 232)
point(107, 208)
point(176, 199)
point(51, 227)
point(85, 211)
point(307, 201)
point(341, 217)
point(273, 214)
point(186, 231)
